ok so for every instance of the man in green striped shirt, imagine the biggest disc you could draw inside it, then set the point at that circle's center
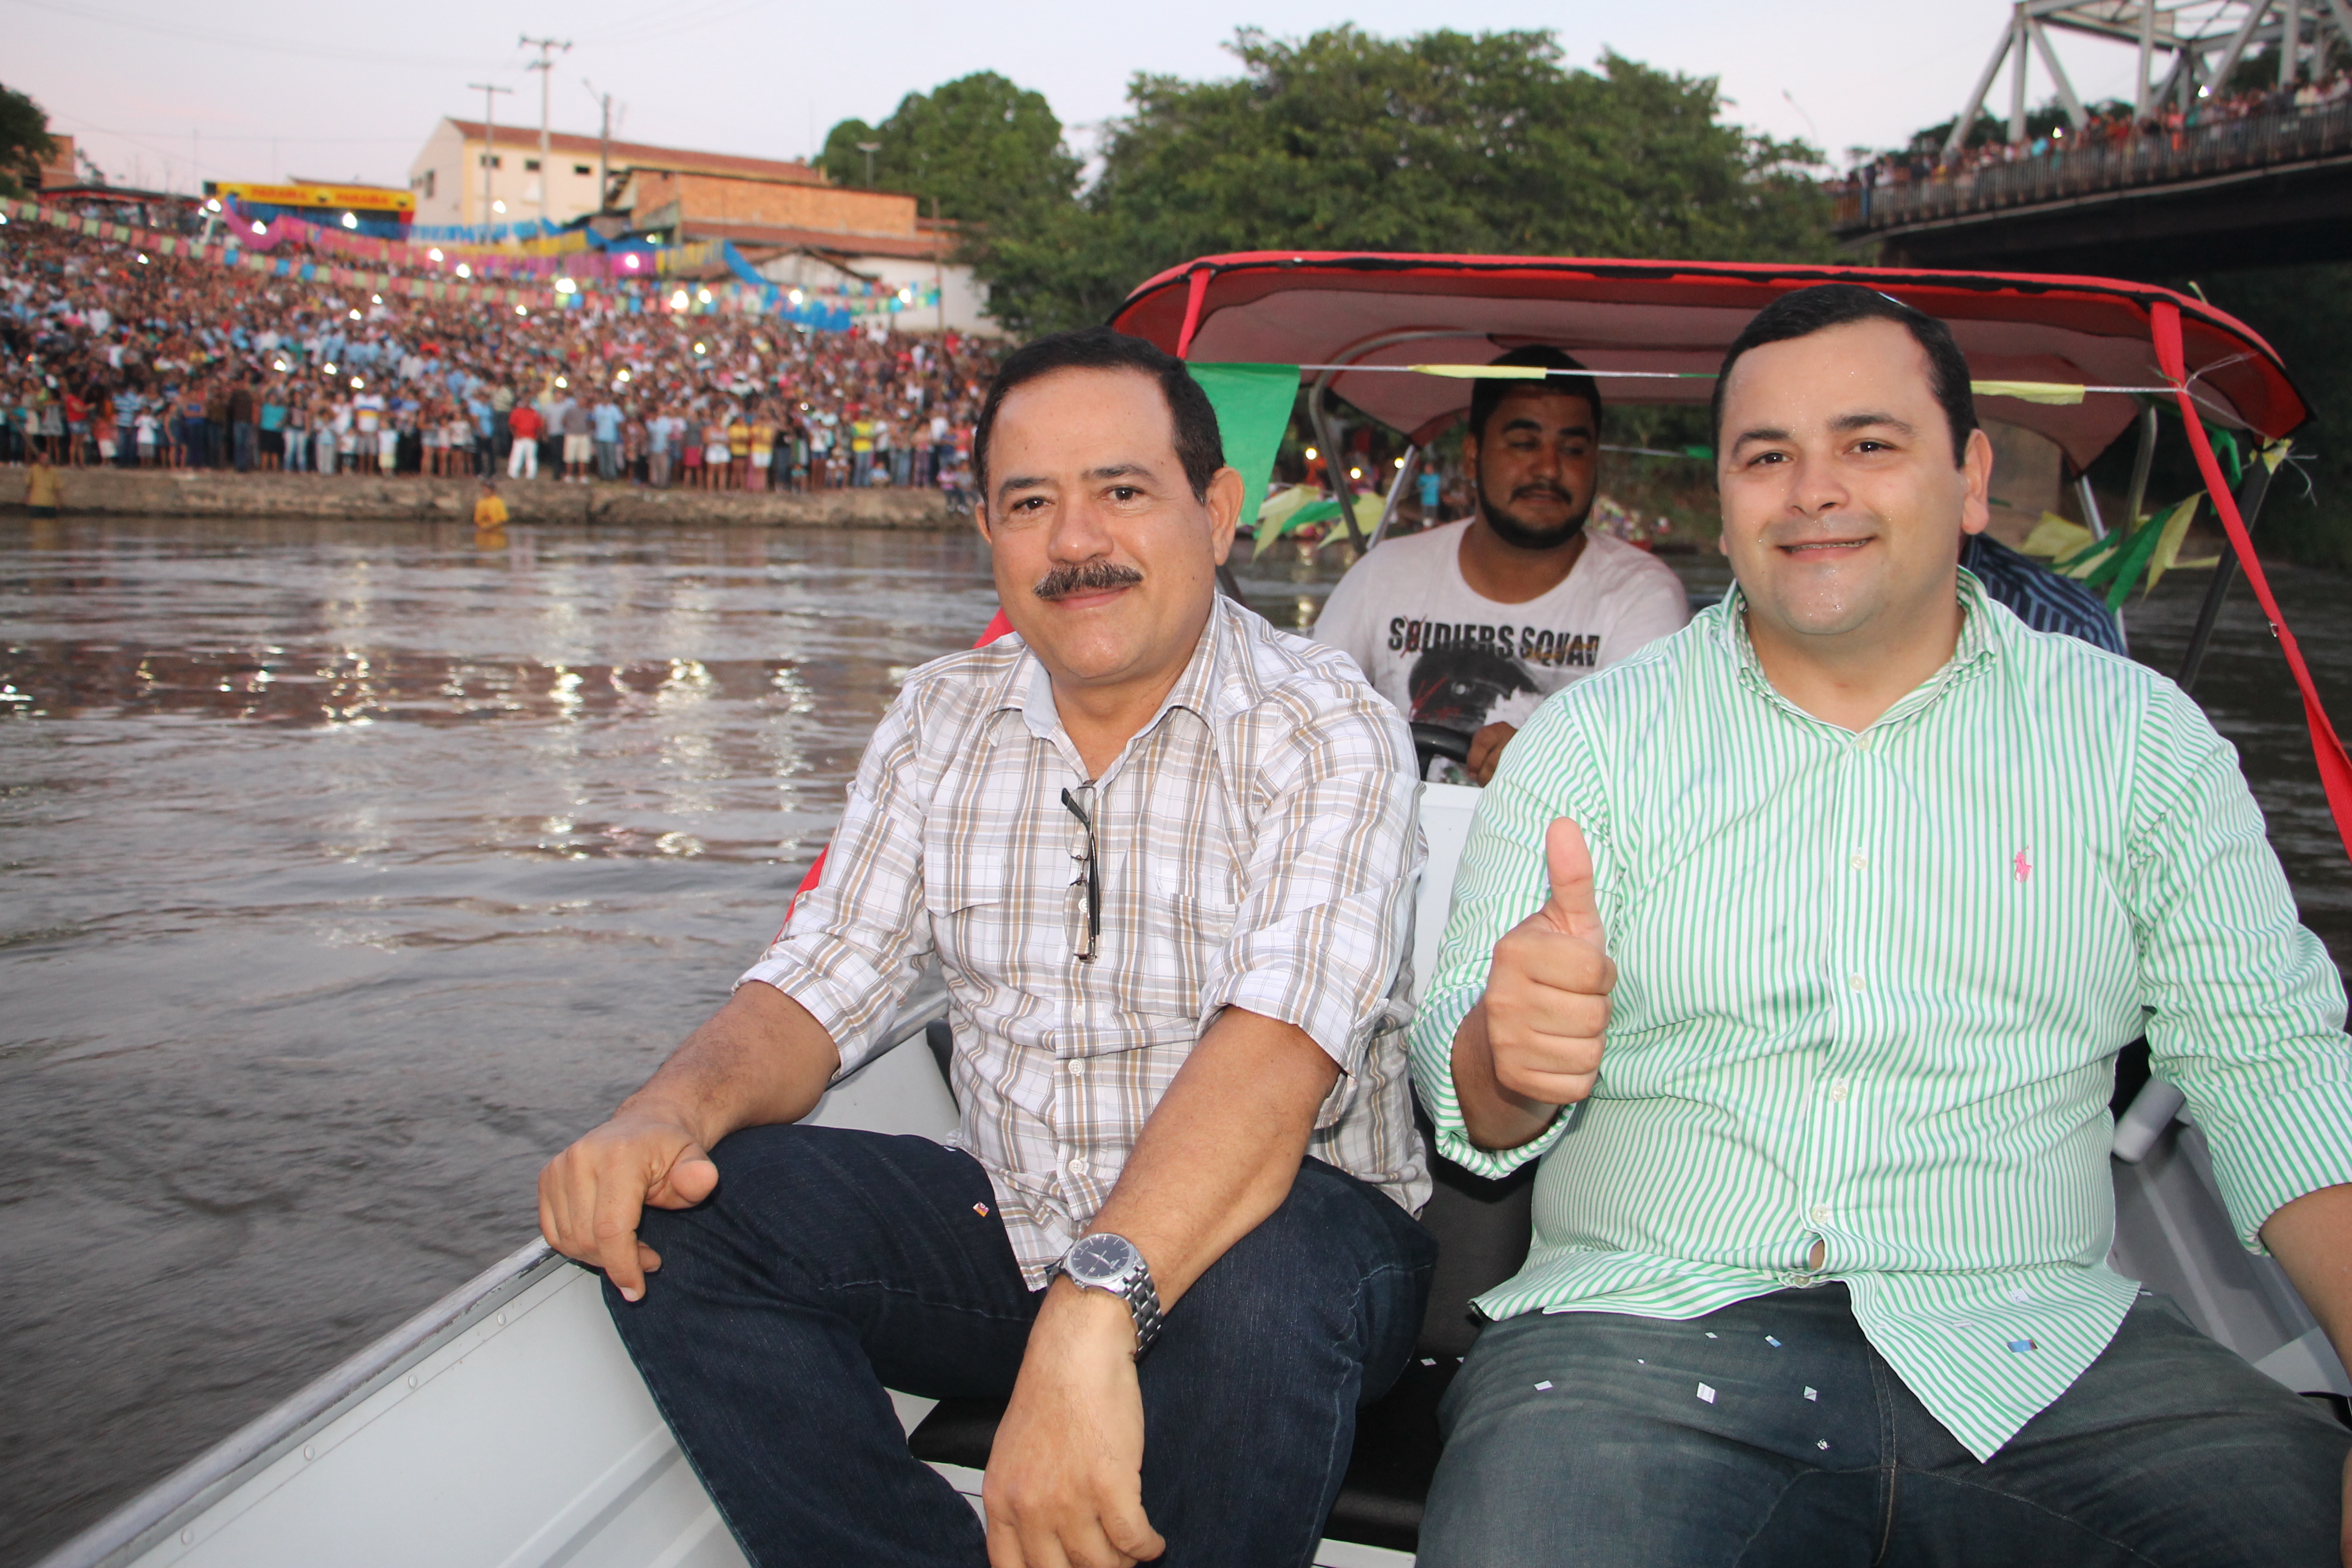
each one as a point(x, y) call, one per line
point(1860, 887)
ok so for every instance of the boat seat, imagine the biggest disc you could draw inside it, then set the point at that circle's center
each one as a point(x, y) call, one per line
point(1482, 1229)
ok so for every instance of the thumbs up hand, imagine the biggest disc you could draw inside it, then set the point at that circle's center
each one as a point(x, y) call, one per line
point(1547, 1001)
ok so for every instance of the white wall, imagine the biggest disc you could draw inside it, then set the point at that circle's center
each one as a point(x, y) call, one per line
point(458, 173)
point(964, 296)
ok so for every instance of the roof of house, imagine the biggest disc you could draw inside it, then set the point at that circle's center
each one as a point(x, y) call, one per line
point(641, 155)
point(832, 241)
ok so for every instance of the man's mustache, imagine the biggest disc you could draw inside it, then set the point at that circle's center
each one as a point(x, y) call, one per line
point(1527, 491)
point(1085, 577)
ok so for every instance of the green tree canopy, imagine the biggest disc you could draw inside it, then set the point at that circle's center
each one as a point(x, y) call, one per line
point(980, 146)
point(24, 142)
point(1445, 142)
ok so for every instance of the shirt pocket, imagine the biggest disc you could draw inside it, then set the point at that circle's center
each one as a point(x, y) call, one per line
point(967, 898)
point(1188, 914)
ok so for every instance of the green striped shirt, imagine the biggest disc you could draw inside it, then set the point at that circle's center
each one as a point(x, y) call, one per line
point(1870, 990)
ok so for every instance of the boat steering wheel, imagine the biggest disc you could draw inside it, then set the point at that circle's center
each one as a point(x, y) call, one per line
point(1431, 741)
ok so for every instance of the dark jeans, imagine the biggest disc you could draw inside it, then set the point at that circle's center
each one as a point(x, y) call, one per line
point(243, 443)
point(831, 1264)
point(2168, 1449)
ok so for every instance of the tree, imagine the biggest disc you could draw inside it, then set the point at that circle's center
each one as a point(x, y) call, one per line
point(1445, 142)
point(980, 147)
point(25, 142)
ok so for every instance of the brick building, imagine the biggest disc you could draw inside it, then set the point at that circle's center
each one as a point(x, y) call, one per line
point(796, 226)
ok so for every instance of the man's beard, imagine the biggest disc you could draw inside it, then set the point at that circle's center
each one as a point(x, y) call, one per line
point(1085, 577)
point(1514, 531)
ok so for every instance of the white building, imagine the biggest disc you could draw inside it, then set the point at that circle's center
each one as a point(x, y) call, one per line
point(468, 173)
point(795, 227)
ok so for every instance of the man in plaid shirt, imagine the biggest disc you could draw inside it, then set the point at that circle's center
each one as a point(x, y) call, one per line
point(1165, 857)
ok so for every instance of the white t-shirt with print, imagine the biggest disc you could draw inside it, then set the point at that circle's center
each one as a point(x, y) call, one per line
point(1446, 655)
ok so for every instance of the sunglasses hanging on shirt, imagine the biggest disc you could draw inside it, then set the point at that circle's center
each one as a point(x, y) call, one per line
point(1086, 939)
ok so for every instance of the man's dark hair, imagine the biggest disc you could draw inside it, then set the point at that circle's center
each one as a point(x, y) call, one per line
point(1199, 446)
point(1827, 305)
point(1487, 396)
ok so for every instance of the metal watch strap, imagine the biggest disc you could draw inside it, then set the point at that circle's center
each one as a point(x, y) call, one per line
point(1143, 1301)
point(1136, 1289)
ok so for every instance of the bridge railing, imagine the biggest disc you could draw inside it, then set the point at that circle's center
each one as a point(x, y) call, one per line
point(2150, 158)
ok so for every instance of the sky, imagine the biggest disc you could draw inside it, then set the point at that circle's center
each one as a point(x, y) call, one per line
point(162, 94)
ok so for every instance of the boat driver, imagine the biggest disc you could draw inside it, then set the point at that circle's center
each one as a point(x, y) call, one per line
point(1798, 949)
point(1468, 626)
point(1164, 855)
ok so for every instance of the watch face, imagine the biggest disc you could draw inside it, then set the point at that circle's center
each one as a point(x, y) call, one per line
point(1102, 1260)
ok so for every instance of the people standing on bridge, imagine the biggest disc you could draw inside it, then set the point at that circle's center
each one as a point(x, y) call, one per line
point(1844, 901)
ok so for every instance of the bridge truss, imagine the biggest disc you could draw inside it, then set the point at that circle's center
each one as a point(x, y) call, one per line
point(2187, 49)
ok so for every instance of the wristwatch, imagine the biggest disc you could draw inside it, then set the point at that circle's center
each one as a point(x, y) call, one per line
point(1110, 1263)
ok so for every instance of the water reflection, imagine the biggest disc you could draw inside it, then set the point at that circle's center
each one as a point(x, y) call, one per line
point(345, 869)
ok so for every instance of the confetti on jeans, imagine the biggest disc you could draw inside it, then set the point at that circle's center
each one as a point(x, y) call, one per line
point(1822, 1446)
point(2021, 1346)
point(1544, 1387)
point(1773, 1342)
point(1706, 1394)
point(1814, 1395)
point(1429, 1361)
point(979, 1209)
point(1714, 1336)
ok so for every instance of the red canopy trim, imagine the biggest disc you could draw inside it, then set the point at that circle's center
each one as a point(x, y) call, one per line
point(2327, 748)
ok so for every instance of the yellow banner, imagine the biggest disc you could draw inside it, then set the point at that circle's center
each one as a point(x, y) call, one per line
point(341, 198)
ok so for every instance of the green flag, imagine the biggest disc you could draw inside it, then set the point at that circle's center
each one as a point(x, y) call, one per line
point(1253, 404)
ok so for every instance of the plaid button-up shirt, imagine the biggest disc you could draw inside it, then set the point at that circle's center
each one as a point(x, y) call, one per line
point(1257, 847)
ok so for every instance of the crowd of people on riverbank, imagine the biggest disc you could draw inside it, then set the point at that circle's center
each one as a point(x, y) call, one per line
point(2113, 126)
point(109, 355)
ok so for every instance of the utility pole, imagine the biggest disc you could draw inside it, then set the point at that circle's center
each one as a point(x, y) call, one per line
point(489, 142)
point(545, 66)
point(604, 147)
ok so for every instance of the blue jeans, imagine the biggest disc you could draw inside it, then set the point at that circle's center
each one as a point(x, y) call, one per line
point(2168, 1449)
point(831, 1264)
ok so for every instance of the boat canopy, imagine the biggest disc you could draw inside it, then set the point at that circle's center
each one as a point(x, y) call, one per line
point(2077, 359)
point(1316, 308)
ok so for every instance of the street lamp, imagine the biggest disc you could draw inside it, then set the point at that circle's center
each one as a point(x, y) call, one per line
point(869, 149)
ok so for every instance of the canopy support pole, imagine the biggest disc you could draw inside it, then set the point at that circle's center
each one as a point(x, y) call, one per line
point(1404, 476)
point(1335, 469)
point(2136, 499)
point(2099, 531)
point(2326, 746)
point(2252, 489)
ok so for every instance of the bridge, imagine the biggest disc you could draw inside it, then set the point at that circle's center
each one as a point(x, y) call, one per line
point(2198, 177)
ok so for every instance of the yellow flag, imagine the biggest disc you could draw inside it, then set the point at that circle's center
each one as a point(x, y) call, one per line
point(2054, 537)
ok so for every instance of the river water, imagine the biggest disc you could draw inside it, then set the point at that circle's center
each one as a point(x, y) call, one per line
point(347, 870)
